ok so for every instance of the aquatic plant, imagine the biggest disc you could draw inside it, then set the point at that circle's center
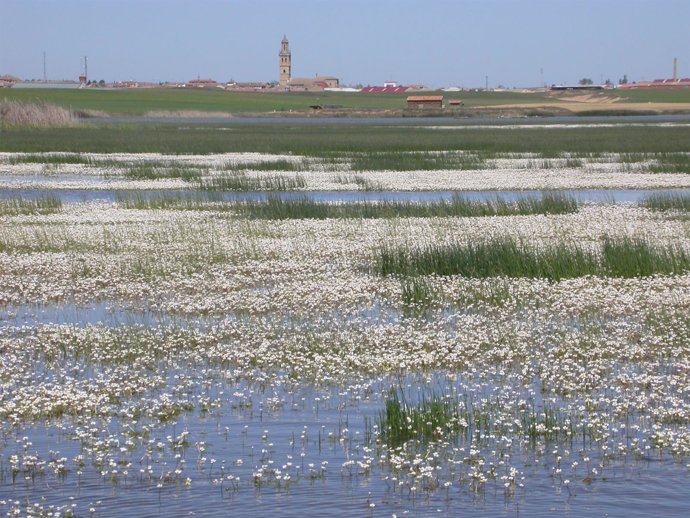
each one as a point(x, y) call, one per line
point(433, 418)
point(240, 181)
point(620, 257)
point(667, 202)
point(21, 206)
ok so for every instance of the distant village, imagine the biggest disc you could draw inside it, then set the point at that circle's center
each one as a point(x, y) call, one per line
point(318, 83)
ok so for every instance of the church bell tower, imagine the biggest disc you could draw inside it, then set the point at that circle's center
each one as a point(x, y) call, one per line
point(285, 62)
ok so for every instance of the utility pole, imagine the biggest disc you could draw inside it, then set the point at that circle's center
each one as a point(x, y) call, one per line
point(486, 78)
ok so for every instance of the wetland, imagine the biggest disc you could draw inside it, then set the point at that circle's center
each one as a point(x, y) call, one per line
point(369, 321)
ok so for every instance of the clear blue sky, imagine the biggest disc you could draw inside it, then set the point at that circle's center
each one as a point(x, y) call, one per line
point(433, 42)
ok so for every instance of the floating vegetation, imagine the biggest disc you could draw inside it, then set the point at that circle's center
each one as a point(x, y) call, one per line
point(620, 257)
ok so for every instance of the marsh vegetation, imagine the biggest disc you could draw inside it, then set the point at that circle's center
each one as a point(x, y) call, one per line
point(177, 352)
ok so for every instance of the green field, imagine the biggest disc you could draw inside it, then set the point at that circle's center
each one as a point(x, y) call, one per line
point(655, 96)
point(139, 101)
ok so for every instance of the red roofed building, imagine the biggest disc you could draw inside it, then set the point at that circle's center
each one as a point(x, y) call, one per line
point(657, 84)
point(202, 83)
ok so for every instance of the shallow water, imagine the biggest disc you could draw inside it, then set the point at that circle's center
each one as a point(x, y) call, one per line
point(468, 121)
point(316, 431)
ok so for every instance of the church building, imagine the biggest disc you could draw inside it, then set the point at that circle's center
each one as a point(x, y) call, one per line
point(285, 63)
point(300, 84)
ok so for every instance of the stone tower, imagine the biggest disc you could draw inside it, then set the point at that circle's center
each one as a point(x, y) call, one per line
point(285, 63)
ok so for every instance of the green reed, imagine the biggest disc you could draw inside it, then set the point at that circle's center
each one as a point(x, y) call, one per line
point(457, 206)
point(667, 202)
point(433, 418)
point(675, 163)
point(269, 165)
point(417, 292)
point(418, 161)
point(240, 181)
point(182, 201)
point(505, 257)
point(150, 171)
point(50, 158)
point(39, 206)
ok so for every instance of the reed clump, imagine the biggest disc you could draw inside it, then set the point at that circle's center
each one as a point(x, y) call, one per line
point(416, 161)
point(269, 165)
point(457, 206)
point(433, 418)
point(303, 207)
point(506, 257)
point(674, 163)
point(25, 207)
point(240, 181)
point(667, 202)
point(35, 115)
point(154, 172)
point(181, 201)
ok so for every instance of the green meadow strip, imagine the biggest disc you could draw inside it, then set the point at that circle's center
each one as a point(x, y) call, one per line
point(620, 257)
